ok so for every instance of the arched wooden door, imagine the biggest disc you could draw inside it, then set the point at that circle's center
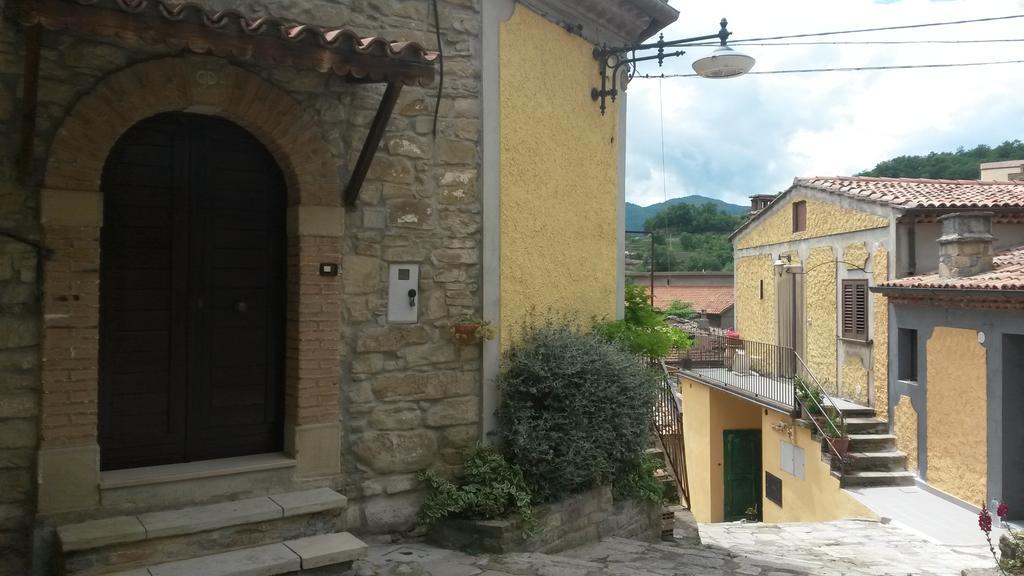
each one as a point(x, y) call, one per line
point(192, 294)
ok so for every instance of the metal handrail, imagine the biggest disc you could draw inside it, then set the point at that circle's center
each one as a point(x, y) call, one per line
point(668, 424)
point(837, 412)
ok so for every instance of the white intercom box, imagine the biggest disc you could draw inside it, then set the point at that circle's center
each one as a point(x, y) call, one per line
point(403, 293)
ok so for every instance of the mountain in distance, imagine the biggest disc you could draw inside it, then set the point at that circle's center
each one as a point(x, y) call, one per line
point(636, 215)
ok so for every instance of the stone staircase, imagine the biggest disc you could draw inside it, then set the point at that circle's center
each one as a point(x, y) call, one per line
point(267, 535)
point(872, 459)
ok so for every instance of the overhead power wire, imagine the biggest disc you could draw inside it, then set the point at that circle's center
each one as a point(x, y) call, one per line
point(881, 29)
point(849, 69)
point(865, 42)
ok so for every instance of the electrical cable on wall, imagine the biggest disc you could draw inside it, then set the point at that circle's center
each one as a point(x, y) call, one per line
point(440, 66)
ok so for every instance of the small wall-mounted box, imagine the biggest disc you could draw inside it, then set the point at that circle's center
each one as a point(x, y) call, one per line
point(403, 293)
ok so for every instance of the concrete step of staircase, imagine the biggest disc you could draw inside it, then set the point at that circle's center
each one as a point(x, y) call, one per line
point(892, 461)
point(866, 426)
point(267, 560)
point(128, 542)
point(859, 412)
point(872, 442)
point(874, 479)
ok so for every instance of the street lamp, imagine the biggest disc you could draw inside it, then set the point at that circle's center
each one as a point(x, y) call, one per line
point(724, 62)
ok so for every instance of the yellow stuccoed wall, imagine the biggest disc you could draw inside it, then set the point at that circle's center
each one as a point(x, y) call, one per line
point(823, 218)
point(820, 298)
point(957, 413)
point(880, 334)
point(717, 412)
point(855, 380)
point(815, 498)
point(855, 255)
point(755, 317)
point(559, 174)
point(905, 429)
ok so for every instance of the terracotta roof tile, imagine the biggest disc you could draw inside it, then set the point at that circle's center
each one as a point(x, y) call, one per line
point(1007, 274)
point(920, 192)
point(236, 34)
point(710, 299)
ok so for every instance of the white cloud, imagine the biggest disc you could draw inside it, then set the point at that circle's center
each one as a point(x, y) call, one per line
point(732, 138)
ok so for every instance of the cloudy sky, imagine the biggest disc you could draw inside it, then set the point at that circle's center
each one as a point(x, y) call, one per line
point(732, 138)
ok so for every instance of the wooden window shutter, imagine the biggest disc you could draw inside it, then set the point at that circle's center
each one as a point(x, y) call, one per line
point(855, 309)
point(799, 216)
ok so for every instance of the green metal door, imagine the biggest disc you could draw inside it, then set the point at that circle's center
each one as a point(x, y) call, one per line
point(742, 473)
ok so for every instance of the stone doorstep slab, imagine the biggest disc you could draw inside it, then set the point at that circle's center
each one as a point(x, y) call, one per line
point(309, 501)
point(126, 529)
point(326, 549)
point(269, 560)
point(98, 533)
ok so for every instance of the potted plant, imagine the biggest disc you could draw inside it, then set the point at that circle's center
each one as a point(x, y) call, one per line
point(468, 330)
point(835, 430)
point(810, 397)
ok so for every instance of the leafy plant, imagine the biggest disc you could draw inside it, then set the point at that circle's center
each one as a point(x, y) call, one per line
point(642, 329)
point(576, 409)
point(1013, 555)
point(810, 396)
point(639, 482)
point(835, 427)
point(490, 487)
point(680, 309)
point(470, 330)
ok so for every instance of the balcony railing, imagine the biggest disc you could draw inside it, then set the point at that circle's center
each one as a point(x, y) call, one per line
point(757, 370)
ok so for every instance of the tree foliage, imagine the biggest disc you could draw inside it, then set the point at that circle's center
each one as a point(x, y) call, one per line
point(642, 329)
point(687, 238)
point(960, 165)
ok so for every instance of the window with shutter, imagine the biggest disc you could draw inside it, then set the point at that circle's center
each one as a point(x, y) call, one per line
point(855, 309)
point(799, 216)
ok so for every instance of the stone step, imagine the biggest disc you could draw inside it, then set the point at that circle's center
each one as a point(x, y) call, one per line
point(872, 442)
point(657, 454)
point(874, 479)
point(866, 426)
point(266, 560)
point(100, 546)
point(859, 412)
point(876, 461)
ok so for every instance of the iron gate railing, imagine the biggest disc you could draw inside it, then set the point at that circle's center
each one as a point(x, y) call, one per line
point(668, 423)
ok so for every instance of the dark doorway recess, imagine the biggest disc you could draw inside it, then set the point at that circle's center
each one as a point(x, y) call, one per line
point(1013, 427)
point(742, 473)
point(192, 294)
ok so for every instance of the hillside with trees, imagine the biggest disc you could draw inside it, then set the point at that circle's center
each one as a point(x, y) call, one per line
point(687, 238)
point(960, 165)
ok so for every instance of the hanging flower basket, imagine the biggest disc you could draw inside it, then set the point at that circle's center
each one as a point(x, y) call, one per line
point(471, 331)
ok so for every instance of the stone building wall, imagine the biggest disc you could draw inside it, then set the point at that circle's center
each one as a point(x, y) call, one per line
point(408, 394)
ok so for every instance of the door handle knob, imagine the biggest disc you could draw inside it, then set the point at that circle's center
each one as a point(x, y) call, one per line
point(241, 307)
point(412, 297)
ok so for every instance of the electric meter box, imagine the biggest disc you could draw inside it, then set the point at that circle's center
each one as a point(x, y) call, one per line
point(403, 293)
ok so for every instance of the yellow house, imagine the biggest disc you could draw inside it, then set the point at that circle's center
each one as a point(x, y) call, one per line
point(806, 264)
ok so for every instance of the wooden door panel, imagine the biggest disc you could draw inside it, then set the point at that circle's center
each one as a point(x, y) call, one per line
point(193, 225)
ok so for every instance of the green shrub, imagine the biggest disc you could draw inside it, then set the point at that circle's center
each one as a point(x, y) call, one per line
point(489, 488)
point(576, 409)
point(642, 328)
point(639, 482)
point(680, 309)
point(1013, 562)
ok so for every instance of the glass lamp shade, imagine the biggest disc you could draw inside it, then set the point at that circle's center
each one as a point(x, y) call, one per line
point(724, 62)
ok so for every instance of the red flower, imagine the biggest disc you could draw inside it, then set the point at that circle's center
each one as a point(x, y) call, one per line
point(984, 520)
point(1002, 510)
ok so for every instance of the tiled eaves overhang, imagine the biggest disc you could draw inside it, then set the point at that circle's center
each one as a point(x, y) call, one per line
point(608, 21)
point(233, 34)
point(909, 195)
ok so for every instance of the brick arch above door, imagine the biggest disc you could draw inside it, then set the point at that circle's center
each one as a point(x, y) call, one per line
point(71, 218)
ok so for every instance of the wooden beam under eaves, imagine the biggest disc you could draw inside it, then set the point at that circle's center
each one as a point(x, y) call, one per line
point(373, 138)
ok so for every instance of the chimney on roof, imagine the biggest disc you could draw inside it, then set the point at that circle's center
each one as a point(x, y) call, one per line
point(965, 247)
point(759, 202)
point(1003, 171)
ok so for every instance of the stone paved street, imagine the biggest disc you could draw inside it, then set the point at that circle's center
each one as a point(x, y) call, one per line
point(835, 548)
